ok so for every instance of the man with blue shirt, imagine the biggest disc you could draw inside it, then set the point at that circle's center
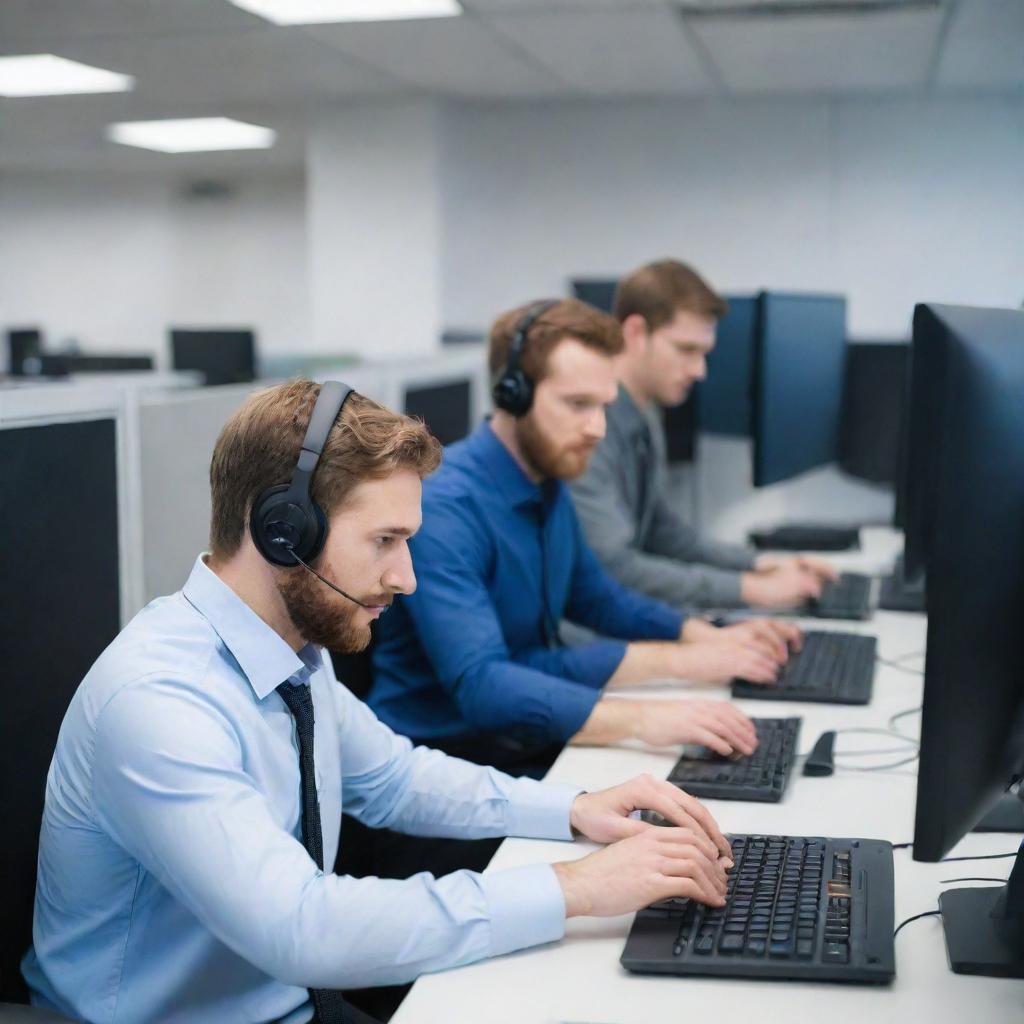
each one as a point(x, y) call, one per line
point(473, 662)
point(194, 799)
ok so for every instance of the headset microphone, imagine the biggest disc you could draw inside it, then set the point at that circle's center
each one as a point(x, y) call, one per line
point(336, 589)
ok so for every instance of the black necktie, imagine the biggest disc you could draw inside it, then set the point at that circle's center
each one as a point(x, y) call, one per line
point(330, 1007)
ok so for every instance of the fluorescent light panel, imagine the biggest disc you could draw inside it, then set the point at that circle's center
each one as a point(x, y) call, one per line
point(45, 74)
point(192, 135)
point(320, 12)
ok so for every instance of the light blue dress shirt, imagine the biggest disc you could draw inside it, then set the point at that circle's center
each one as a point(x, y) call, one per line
point(173, 884)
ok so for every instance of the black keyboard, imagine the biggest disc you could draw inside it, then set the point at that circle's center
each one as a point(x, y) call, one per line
point(762, 776)
point(820, 909)
point(807, 537)
point(832, 668)
point(848, 598)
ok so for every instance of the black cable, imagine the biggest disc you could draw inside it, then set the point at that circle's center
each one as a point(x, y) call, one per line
point(984, 856)
point(946, 881)
point(945, 860)
point(916, 917)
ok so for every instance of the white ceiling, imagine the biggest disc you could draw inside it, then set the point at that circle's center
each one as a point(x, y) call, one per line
point(203, 57)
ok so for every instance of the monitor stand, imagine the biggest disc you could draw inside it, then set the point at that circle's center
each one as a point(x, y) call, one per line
point(1005, 815)
point(985, 927)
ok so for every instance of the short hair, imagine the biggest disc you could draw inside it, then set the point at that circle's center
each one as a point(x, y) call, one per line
point(571, 318)
point(259, 447)
point(659, 290)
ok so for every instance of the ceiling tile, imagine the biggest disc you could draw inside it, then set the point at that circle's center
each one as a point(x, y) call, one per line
point(254, 65)
point(454, 56)
point(985, 46)
point(612, 53)
point(25, 21)
point(830, 54)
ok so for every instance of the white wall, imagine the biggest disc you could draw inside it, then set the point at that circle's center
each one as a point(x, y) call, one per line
point(375, 229)
point(890, 201)
point(111, 263)
point(461, 210)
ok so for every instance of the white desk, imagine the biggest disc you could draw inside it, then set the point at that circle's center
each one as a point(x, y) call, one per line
point(580, 979)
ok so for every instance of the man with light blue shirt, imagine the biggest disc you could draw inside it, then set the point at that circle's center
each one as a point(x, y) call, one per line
point(195, 795)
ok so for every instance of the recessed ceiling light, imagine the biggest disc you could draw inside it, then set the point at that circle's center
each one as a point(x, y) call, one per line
point(192, 135)
point(318, 12)
point(44, 74)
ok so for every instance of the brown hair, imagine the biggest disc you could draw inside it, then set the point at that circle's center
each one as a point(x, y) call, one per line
point(259, 446)
point(569, 319)
point(659, 290)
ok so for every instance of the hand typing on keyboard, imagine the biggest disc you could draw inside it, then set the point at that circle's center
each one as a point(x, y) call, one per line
point(654, 865)
point(606, 816)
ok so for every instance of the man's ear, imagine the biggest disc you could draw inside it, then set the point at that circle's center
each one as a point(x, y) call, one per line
point(635, 333)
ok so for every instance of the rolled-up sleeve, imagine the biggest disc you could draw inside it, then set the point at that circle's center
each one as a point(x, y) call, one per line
point(171, 782)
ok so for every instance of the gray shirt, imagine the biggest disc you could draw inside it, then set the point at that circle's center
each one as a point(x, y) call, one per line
point(634, 527)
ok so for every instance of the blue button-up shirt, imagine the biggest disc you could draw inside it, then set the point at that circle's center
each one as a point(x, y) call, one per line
point(499, 561)
point(173, 884)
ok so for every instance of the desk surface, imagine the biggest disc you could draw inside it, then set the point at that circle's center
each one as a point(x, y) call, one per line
point(579, 979)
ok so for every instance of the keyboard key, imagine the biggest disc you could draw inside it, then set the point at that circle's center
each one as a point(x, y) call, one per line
point(836, 953)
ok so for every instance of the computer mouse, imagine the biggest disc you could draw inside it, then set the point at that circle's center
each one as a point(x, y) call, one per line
point(819, 760)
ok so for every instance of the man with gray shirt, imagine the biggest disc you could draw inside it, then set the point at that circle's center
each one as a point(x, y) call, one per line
point(668, 315)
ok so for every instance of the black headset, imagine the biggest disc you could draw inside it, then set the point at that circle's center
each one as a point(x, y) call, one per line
point(513, 390)
point(288, 527)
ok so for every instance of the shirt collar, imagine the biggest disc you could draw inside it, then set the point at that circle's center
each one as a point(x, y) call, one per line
point(629, 415)
point(513, 484)
point(262, 654)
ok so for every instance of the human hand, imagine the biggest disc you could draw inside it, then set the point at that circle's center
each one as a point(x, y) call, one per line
point(604, 816)
point(720, 659)
point(819, 566)
point(715, 724)
point(655, 864)
point(783, 585)
point(775, 637)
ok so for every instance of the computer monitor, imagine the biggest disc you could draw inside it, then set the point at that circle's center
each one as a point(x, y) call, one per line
point(60, 365)
point(972, 732)
point(873, 406)
point(24, 343)
point(60, 592)
point(445, 408)
point(799, 349)
point(597, 292)
point(927, 409)
point(681, 427)
point(724, 396)
point(223, 356)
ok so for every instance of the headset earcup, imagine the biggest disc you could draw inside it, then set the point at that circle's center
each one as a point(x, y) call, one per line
point(513, 392)
point(304, 527)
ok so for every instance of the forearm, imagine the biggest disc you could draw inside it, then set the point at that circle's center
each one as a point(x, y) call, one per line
point(388, 783)
point(649, 659)
point(679, 583)
point(350, 933)
point(611, 720)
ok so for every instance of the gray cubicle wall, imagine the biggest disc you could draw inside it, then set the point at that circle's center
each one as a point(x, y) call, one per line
point(177, 434)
